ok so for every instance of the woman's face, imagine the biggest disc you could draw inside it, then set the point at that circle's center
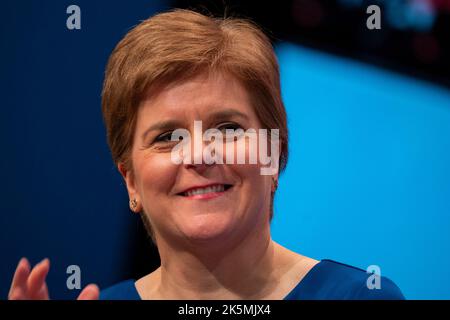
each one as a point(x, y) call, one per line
point(241, 199)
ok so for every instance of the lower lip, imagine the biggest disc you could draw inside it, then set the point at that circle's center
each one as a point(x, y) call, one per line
point(206, 196)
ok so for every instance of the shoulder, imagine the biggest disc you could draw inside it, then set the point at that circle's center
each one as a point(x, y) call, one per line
point(125, 290)
point(332, 280)
point(356, 283)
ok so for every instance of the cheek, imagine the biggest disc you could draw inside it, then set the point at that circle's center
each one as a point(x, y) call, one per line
point(253, 149)
point(155, 175)
point(255, 187)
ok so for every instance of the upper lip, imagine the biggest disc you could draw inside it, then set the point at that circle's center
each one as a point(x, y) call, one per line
point(203, 186)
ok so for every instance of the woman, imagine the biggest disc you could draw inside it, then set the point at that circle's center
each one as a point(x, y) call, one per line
point(210, 221)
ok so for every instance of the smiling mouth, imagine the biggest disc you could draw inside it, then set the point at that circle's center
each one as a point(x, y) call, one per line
point(206, 192)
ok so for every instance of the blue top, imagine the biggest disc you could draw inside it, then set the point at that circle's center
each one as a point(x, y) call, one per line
point(327, 280)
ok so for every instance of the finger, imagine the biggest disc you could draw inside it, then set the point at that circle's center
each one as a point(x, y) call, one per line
point(17, 294)
point(19, 282)
point(37, 278)
point(90, 292)
point(42, 294)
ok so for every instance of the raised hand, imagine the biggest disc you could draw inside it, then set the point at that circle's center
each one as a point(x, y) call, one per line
point(30, 284)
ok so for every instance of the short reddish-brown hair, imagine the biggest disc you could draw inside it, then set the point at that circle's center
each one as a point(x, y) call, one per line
point(176, 45)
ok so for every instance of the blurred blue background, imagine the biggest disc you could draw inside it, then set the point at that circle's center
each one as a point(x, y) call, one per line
point(368, 179)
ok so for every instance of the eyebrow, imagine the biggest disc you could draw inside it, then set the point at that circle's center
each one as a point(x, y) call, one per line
point(216, 116)
point(162, 126)
point(226, 114)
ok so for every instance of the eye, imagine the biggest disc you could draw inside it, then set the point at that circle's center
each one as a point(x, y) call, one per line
point(229, 125)
point(161, 143)
point(164, 137)
point(236, 131)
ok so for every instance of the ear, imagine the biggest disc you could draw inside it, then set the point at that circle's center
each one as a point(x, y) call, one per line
point(133, 194)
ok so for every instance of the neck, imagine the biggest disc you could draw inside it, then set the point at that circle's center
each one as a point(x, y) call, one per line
point(245, 269)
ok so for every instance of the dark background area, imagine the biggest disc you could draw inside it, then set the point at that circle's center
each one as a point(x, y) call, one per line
point(61, 196)
point(413, 39)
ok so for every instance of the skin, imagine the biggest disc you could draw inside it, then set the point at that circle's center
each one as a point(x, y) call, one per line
point(30, 284)
point(218, 248)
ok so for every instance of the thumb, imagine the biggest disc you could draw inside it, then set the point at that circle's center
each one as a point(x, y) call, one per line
point(90, 292)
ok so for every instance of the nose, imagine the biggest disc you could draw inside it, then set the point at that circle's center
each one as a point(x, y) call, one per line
point(197, 162)
point(199, 168)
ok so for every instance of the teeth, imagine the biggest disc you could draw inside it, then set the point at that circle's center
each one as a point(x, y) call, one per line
point(215, 188)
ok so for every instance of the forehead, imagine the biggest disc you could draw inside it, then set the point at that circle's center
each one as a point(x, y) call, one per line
point(195, 97)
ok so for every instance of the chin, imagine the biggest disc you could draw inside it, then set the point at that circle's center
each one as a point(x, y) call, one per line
point(208, 227)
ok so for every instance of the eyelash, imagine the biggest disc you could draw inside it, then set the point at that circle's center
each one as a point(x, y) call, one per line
point(163, 136)
point(167, 135)
point(229, 125)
